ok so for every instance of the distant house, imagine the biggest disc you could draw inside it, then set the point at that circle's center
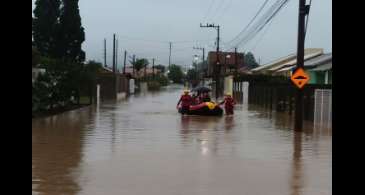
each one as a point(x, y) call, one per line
point(245, 70)
point(227, 60)
point(106, 69)
point(149, 71)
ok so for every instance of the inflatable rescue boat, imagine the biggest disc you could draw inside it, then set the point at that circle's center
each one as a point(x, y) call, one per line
point(205, 108)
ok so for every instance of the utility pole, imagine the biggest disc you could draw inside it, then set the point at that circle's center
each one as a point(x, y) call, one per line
point(145, 67)
point(105, 53)
point(200, 48)
point(303, 11)
point(235, 59)
point(125, 58)
point(153, 67)
point(170, 56)
point(203, 61)
point(116, 55)
point(134, 61)
point(218, 65)
point(113, 53)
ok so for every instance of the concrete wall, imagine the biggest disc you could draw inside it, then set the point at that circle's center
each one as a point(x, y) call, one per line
point(228, 84)
point(113, 86)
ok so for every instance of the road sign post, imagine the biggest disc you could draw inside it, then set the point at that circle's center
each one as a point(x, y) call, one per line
point(297, 79)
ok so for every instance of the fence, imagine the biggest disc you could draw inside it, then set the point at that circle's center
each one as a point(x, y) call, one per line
point(323, 107)
point(240, 91)
point(278, 94)
point(112, 86)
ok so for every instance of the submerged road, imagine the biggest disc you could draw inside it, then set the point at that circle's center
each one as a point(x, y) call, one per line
point(143, 146)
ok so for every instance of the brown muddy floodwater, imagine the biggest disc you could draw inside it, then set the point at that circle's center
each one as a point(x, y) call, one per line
point(143, 146)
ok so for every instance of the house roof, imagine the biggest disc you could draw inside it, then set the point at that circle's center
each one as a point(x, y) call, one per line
point(288, 60)
point(285, 69)
point(319, 60)
point(273, 63)
point(310, 63)
point(307, 56)
point(105, 68)
point(323, 67)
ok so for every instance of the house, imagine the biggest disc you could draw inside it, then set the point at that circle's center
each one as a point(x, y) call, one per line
point(149, 71)
point(228, 61)
point(283, 66)
point(245, 70)
point(319, 69)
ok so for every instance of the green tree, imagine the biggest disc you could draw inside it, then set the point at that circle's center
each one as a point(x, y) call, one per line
point(71, 34)
point(175, 74)
point(192, 75)
point(160, 67)
point(140, 63)
point(45, 26)
point(250, 60)
point(88, 77)
point(35, 57)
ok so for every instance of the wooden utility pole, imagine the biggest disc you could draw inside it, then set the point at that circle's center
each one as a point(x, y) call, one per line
point(218, 65)
point(125, 58)
point(116, 55)
point(170, 56)
point(303, 11)
point(134, 61)
point(153, 67)
point(105, 53)
point(203, 60)
point(113, 53)
point(201, 48)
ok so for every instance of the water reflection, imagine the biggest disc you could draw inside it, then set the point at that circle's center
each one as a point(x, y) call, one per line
point(57, 143)
point(206, 131)
point(296, 181)
point(229, 123)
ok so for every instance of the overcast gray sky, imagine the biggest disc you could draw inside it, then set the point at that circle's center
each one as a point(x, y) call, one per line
point(144, 27)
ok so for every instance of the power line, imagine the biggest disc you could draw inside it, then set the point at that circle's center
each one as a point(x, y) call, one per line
point(209, 9)
point(222, 2)
point(225, 9)
point(245, 28)
point(159, 41)
point(259, 26)
point(262, 36)
point(259, 23)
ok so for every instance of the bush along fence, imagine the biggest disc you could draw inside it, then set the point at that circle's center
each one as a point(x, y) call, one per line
point(278, 93)
point(154, 82)
point(64, 85)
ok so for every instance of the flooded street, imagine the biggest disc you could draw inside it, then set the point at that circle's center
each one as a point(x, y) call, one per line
point(143, 146)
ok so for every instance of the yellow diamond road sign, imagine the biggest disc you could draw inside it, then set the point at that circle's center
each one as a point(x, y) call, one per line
point(300, 78)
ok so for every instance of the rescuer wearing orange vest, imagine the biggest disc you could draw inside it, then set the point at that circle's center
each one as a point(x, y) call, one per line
point(185, 100)
point(228, 104)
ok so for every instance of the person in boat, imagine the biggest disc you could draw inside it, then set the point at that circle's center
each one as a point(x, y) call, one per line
point(205, 97)
point(185, 100)
point(228, 104)
point(196, 99)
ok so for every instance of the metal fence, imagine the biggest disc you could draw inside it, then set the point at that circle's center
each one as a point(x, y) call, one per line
point(323, 107)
